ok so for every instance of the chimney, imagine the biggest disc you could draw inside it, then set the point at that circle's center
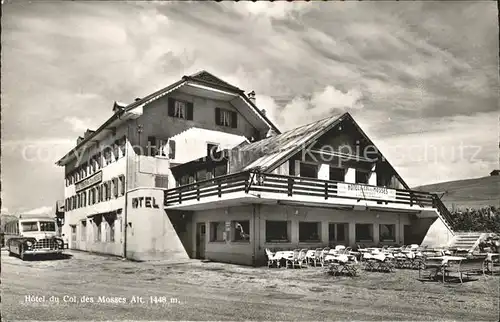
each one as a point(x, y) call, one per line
point(263, 111)
point(137, 99)
point(80, 139)
point(251, 96)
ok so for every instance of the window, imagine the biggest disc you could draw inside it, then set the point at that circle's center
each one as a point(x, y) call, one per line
point(220, 170)
point(115, 187)
point(29, 226)
point(277, 231)
point(308, 170)
point(226, 118)
point(337, 174)
point(83, 230)
point(387, 232)
point(122, 145)
point(122, 185)
point(74, 202)
point(99, 160)
point(84, 199)
point(104, 191)
point(171, 149)
point(116, 151)
point(217, 231)
point(152, 150)
point(337, 232)
point(108, 191)
point(180, 109)
point(241, 230)
point(98, 224)
point(161, 181)
point(361, 176)
point(110, 232)
point(107, 156)
point(201, 175)
point(99, 193)
point(309, 231)
point(364, 232)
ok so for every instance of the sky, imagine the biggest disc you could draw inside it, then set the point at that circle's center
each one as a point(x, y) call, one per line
point(421, 78)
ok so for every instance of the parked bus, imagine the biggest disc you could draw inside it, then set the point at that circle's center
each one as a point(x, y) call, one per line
point(32, 236)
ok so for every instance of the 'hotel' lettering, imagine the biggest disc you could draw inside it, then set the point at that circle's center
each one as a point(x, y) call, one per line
point(149, 202)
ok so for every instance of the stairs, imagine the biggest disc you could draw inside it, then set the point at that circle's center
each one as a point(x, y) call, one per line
point(467, 241)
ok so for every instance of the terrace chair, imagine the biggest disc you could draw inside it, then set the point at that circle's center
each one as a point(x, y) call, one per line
point(433, 265)
point(318, 257)
point(291, 261)
point(469, 266)
point(386, 265)
point(272, 259)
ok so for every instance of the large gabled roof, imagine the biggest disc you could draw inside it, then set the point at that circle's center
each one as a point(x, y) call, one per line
point(203, 77)
point(271, 152)
point(277, 149)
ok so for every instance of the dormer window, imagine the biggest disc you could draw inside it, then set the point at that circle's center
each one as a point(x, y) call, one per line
point(180, 109)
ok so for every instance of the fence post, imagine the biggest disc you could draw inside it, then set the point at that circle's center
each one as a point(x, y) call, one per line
point(219, 188)
point(180, 196)
point(411, 198)
point(290, 186)
point(326, 190)
point(198, 192)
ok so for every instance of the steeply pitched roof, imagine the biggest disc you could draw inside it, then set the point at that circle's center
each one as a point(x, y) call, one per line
point(205, 77)
point(269, 152)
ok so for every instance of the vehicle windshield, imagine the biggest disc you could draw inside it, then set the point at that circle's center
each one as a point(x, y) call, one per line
point(29, 226)
point(47, 226)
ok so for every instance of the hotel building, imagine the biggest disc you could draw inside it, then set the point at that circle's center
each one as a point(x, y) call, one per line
point(196, 170)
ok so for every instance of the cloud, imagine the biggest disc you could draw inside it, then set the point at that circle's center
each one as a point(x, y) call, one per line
point(77, 125)
point(5, 211)
point(275, 10)
point(44, 210)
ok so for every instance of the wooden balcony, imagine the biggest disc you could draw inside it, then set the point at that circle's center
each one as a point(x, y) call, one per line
point(254, 187)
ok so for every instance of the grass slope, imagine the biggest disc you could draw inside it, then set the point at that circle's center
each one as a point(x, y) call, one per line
point(470, 193)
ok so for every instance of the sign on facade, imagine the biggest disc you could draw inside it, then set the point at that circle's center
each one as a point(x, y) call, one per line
point(365, 192)
point(95, 179)
point(144, 202)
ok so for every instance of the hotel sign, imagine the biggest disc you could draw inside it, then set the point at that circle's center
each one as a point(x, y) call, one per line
point(365, 192)
point(90, 181)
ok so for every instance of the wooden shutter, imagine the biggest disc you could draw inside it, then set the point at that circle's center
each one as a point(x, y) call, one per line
point(234, 120)
point(189, 112)
point(171, 106)
point(171, 152)
point(217, 116)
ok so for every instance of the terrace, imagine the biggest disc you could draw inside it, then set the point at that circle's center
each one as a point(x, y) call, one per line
point(254, 187)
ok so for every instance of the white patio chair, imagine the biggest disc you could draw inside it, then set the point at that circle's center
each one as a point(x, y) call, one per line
point(272, 259)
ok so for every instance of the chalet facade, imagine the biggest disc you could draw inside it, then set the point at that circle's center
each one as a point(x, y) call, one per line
point(196, 170)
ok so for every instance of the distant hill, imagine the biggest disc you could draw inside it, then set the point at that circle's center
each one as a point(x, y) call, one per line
point(470, 193)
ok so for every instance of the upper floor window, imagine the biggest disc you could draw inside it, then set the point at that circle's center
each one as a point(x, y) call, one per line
point(180, 109)
point(362, 176)
point(226, 118)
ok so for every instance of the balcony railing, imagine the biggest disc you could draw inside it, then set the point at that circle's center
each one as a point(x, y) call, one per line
point(290, 186)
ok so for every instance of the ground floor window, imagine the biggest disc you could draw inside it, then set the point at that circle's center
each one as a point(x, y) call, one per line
point(337, 174)
point(98, 228)
point(309, 231)
point(83, 231)
point(217, 231)
point(387, 232)
point(338, 232)
point(110, 231)
point(364, 232)
point(241, 230)
point(277, 231)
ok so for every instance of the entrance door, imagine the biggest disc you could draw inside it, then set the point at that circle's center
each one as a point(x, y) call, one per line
point(73, 236)
point(408, 236)
point(200, 240)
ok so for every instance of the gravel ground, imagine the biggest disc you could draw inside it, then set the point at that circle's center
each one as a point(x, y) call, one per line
point(93, 287)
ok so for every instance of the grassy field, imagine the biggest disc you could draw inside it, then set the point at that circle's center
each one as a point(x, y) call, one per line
point(471, 193)
point(222, 292)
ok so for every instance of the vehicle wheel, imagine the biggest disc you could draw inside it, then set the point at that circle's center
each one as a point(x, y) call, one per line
point(22, 256)
point(11, 253)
